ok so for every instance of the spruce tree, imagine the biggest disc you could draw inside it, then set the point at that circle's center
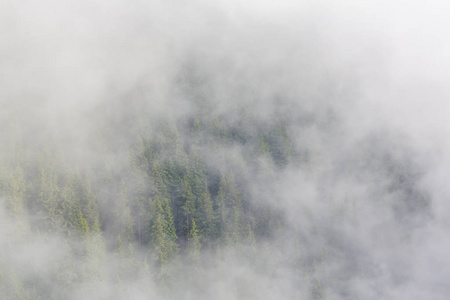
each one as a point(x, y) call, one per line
point(194, 244)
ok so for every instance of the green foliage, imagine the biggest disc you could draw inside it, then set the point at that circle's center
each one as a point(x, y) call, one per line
point(82, 224)
point(194, 244)
point(163, 234)
point(179, 193)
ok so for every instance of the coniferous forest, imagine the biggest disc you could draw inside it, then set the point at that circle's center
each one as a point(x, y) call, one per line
point(175, 151)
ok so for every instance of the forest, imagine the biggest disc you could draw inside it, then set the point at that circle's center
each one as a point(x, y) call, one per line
point(169, 205)
point(181, 201)
point(223, 150)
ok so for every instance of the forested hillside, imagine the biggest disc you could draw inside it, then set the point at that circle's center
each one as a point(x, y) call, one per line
point(181, 201)
point(182, 193)
point(223, 150)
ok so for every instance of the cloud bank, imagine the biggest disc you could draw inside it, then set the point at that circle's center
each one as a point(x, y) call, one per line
point(360, 88)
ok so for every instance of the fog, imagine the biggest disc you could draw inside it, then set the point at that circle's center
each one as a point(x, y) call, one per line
point(361, 86)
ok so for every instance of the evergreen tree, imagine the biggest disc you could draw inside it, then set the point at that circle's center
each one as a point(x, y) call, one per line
point(164, 235)
point(194, 244)
point(126, 234)
point(189, 205)
point(49, 197)
point(207, 217)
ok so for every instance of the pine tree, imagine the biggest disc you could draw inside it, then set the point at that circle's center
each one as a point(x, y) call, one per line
point(208, 218)
point(126, 223)
point(67, 213)
point(194, 244)
point(82, 225)
point(89, 202)
point(160, 240)
point(222, 207)
point(189, 205)
point(169, 225)
point(164, 235)
point(49, 196)
point(235, 227)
